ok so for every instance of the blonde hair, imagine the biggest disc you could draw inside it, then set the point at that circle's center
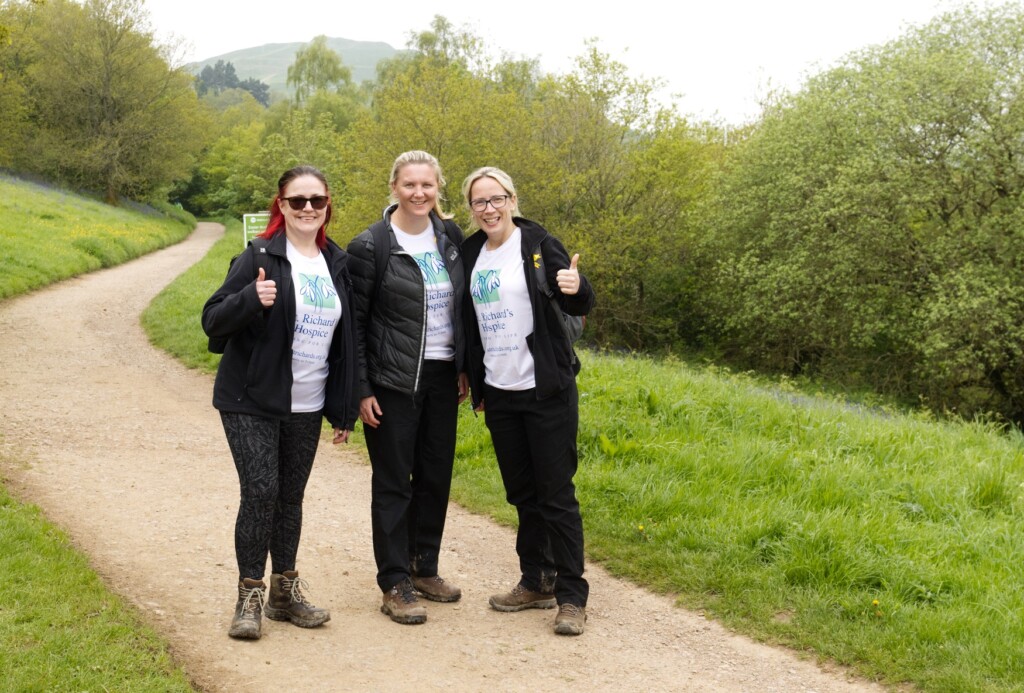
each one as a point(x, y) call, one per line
point(500, 177)
point(417, 156)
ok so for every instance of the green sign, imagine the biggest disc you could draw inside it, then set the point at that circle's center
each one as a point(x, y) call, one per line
point(253, 225)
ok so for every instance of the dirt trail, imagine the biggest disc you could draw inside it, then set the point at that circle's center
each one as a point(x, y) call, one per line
point(125, 452)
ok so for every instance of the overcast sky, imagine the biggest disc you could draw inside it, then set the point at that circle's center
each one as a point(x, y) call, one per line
point(718, 56)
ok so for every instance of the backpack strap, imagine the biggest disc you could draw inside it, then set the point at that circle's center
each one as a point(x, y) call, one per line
point(262, 257)
point(216, 345)
point(541, 275)
point(381, 252)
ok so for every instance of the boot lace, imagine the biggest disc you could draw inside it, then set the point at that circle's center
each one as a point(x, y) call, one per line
point(294, 588)
point(569, 610)
point(405, 592)
point(253, 602)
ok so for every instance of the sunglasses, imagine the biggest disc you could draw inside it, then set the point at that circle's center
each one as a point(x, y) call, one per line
point(318, 202)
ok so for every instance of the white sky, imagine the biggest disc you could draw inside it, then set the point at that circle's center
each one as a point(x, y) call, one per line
point(718, 57)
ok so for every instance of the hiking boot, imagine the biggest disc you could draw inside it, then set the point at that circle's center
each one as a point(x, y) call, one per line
point(286, 602)
point(248, 610)
point(436, 589)
point(401, 604)
point(570, 619)
point(521, 598)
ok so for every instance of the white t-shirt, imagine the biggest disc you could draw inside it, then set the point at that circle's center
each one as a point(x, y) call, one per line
point(440, 293)
point(317, 313)
point(505, 316)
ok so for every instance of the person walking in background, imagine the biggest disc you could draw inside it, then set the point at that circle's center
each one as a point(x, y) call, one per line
point(408, 275)
point(522, 372)
point(284, 321)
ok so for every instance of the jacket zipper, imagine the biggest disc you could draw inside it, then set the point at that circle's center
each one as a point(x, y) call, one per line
point(423, 322)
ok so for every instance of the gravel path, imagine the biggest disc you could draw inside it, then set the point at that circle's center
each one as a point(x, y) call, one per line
point(119, 445)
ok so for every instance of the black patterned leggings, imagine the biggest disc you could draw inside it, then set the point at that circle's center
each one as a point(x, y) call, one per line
point(273, 459)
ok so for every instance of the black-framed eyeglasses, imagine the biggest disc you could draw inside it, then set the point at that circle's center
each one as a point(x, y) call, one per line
point(318, 202)
point(498, 201)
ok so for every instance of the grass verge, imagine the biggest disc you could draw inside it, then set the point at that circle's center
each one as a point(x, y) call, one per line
point(60, 629)
point(47, 234)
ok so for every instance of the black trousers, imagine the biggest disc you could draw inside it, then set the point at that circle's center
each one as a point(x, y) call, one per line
point(412, 452)
point(535, 443)
point(273, 459)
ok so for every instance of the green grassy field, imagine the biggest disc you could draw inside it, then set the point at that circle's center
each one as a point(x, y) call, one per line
point(888, 542)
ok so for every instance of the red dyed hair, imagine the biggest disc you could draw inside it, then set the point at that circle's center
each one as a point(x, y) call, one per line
point(276, 223)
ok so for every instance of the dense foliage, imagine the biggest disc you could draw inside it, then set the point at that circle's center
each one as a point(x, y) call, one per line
point(221, 76)
point(871, 224)
point(90, 101)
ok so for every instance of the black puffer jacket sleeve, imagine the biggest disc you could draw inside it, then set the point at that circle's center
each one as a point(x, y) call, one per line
point(362, 269)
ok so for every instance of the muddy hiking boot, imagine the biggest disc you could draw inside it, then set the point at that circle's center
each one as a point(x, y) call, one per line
point(521, 598)
point(286, 602)
point(401, 604)
point(247, 621)
point(570, 619)
point(436, 589)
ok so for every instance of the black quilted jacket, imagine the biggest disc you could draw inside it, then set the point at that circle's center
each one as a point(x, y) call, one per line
point(392, 324)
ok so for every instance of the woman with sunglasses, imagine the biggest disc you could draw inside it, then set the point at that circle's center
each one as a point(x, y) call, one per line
point(284, 315)
point(522, 373)
point(408, 278)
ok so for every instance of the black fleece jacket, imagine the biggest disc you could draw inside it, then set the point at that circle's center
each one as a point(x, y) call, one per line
point(550, 348)
point(255, 372)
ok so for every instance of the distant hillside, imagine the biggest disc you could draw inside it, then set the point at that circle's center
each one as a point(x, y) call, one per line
point(269, 63)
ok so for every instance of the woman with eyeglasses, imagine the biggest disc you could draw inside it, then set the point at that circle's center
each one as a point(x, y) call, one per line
point(522, 371)
point(284, 320)
point(407, 272)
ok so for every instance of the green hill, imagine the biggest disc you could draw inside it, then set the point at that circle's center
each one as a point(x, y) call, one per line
point(269, 62)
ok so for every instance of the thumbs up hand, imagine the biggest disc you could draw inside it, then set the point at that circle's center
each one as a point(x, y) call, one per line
point(569, 279)
point(266, 289)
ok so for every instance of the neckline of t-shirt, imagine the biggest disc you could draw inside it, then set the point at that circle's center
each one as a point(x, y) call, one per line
point(292, 250)
point(516, 233)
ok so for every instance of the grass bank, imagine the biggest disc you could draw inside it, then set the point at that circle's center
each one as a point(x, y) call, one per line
point(60, 629)
point(887, 542)
point(48, 234)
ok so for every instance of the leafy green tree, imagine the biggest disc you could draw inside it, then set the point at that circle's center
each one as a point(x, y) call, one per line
point(869, 228)
point(317, 68)
point(213, 188)
point(232, 106)
point(259, 90)
point(216, 78)
point(617, 176)
point(430, 100)
point(303, 140)
point(221, 76)
point(16, 51)
point(108, 112)
point(237, 127)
